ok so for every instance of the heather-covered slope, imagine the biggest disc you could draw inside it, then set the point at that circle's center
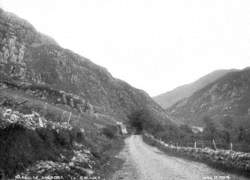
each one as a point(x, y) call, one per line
point(170, 98)
point(225, 99)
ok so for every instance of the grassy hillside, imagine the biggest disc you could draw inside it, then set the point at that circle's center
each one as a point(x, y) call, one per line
point(222, 106)
point(228, 96)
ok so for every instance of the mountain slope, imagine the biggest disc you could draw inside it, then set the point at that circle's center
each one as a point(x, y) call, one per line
point(226, 98)
point(30, 57)
point(58, 110)
point(169, 98)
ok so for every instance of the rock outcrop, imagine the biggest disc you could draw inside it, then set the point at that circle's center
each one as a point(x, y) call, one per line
point(26, 56)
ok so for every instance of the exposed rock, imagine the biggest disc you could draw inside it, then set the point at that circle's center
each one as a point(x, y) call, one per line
point(29, 121)
point(27, 56)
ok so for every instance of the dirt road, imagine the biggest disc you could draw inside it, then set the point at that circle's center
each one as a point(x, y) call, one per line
point(144, 162)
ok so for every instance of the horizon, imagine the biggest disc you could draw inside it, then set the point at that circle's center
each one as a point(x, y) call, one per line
point(152, 51)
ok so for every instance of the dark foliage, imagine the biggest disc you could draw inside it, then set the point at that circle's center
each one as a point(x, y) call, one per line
point(183, 135)
point(136, 121)
point(20, 147)
point(63, 137)
point(110, 131)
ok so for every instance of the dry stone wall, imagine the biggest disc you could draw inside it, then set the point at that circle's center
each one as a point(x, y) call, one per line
point(225, 158)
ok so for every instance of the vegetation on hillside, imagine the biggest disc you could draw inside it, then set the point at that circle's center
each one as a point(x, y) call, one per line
point(212, 136)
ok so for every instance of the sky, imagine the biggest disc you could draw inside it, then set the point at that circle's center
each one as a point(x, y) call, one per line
point(155, 45)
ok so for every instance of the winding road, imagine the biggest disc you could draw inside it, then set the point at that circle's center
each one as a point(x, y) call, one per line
point(144, 162)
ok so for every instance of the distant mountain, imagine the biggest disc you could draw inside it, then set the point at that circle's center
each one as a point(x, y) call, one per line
point(169, 98)
point(226, 98)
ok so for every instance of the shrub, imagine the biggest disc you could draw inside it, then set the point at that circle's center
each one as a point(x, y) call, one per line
point(47, 135)
point(145, 119)
point(110, 131)
point(63, 137)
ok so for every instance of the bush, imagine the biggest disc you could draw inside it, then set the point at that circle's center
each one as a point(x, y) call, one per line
point(110, 131)
point(148, 120)
point(47, 135)
point(136, 121)
point(64, 138)
point(20, 148)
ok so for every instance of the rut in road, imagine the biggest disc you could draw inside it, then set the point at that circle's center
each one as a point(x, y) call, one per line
point(144, 162)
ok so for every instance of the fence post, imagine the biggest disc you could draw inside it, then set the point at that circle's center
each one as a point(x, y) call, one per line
point(231, 146)
point(195, 145)
point(69, 117)
point(214, 144)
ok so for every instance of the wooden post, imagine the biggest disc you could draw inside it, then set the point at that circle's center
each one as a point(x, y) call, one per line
point(231, 146)
point(195, 147)
point(214, 144)
point(69, 117)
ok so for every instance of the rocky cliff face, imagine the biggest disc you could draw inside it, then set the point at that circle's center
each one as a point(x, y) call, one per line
point(226, 97)
point(26, 56)
point(170, 98)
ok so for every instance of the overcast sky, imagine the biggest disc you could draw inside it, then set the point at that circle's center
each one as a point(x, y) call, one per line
point(154, 45)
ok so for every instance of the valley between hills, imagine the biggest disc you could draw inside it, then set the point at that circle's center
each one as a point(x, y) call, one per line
point(64, 117)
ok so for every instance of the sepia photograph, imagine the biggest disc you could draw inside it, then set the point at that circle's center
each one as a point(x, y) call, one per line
point(124, 89)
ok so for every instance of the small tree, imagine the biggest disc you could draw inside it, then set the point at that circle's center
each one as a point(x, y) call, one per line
point(136, 120)
point(110, 131)
point(145, 119)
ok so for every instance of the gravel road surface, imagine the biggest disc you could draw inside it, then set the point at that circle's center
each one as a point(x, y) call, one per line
point(144, 162)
